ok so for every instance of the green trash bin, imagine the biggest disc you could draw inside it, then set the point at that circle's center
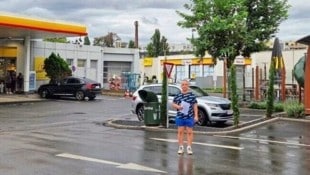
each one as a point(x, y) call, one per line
point(151, 114)
point(151, 108)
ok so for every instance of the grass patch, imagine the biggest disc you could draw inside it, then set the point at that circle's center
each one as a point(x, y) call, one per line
point(294, 109)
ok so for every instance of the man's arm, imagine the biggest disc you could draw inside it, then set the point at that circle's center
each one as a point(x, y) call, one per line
point(176, 106)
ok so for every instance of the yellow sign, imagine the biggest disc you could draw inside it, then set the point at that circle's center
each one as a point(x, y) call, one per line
point(38, 65)
point(193, 61)
point(148, 61)
point(10, 52)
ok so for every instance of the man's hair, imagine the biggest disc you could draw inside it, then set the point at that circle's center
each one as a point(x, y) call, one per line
point(185, 80)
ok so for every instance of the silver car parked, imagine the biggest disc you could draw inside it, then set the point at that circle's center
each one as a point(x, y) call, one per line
point(210, 108)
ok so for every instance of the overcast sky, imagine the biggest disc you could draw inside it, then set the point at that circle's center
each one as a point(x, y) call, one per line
point(103, 16)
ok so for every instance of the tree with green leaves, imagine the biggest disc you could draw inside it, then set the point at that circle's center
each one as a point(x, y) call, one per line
point(263, 20)
point(158, 45)
point(56, 40)
point(108, 40)
point(163, 104)
point(232, 27)
point(86, 40)
point(131, 44)
point(234, 98)
point(56, 68)
point(270, 91)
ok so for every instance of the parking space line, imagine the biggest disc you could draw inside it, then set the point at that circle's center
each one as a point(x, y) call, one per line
point(263, 140)
point(199, 143)
point(128, 166)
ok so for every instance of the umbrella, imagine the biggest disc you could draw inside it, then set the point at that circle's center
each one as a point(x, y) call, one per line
point(279, 65)
point(277, 56)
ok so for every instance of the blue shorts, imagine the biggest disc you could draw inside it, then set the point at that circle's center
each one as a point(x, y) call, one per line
point(187, 122)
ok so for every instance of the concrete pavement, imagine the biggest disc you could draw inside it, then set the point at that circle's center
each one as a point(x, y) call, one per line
point(19, 98)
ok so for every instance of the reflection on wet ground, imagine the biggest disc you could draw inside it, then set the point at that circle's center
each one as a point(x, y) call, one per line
point(280, 147)
point(185, 165)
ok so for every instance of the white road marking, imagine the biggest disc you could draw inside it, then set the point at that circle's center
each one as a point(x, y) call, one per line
point(58, 123)
point(263, 140)
point(199, 143)
point(130, 166)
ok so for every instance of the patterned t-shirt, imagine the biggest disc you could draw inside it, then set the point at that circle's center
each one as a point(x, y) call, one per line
point(189, 98)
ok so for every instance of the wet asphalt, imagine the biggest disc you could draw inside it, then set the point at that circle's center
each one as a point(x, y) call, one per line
point(68, 137)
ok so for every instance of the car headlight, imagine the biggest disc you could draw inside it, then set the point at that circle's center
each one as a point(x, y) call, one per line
point(212, 105)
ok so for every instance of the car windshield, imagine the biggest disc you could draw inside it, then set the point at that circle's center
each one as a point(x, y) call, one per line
point(198, 91)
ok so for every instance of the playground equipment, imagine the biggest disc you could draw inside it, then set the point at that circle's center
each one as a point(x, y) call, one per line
point(299, 71)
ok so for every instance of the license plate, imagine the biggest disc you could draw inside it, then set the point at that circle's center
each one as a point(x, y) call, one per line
point(229, 112)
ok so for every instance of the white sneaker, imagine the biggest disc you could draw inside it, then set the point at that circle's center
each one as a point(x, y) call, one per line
point(181, 150)
point(189, 150)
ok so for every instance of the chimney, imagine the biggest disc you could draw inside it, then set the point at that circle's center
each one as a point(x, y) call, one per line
point(136, 35)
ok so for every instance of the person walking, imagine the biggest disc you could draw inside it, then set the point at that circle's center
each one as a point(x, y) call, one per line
point(187, 114)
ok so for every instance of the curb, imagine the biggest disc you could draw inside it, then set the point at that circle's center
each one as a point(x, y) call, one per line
point(21, 101)
point(230, 130)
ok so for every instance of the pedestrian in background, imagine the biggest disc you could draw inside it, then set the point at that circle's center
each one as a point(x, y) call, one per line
point(20, 82)
point(8, 83)
point(187, 114)
point(1, 87)
point(13, 82)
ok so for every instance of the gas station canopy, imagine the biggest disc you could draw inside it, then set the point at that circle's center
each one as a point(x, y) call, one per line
point(19, 27)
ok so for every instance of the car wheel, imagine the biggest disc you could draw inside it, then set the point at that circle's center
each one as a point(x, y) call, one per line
point(202, 117)
point(44, 93)
point(140, 112)
point(79, 95)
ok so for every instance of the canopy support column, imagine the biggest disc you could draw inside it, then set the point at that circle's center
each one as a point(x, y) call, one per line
point(27, 64)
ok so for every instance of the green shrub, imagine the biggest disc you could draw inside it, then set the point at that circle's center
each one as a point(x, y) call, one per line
point(212, 90)
point(270, 90)
point(258, 105)
point(294, 109)
point(277, 107)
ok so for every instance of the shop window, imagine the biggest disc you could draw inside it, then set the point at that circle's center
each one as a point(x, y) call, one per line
point(81, 63)
point(180, 73)
point(93, 64)
point(70, 61)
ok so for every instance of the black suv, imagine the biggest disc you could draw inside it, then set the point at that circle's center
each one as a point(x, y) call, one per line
point(71, 87)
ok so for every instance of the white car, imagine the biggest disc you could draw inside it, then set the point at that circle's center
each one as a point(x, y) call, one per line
point(210, 108)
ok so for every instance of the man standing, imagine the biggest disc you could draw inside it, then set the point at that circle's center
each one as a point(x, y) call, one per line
point(187, 115)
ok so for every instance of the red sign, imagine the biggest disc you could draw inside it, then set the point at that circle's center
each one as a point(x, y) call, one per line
point(168, 67)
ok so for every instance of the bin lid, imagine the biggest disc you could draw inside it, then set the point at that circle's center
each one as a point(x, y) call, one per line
point(148, 96)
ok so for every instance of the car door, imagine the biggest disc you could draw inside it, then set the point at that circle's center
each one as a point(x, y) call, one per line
point(58, 88)
point(72, 86)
